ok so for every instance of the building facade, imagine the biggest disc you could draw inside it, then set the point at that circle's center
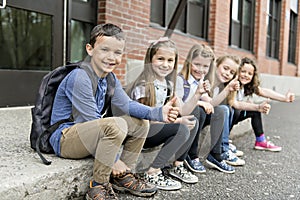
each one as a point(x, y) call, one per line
point(37, 37)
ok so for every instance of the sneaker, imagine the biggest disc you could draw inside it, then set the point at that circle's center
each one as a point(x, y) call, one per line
point(235, 151)
point(266, 145)
point(183, 174)
point(221, 166)
point(131, 183)
point(232, 159)
point(162, 182)
point(103, 191)
point(194, 165)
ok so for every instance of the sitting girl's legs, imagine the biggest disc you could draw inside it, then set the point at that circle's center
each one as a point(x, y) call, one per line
point(192, 159)
point(176, 139)
point(215, 158)
point(256, 121)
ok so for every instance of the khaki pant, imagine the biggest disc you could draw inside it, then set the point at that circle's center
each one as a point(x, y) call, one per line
point(103, 138)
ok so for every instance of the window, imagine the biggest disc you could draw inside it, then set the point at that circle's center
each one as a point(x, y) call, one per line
point(242, 24)
point(82, 19)
point(292, 37)
point(273, 23)
point(25, 38)
point(38, 37)
point(193, 20)
point(80, 34)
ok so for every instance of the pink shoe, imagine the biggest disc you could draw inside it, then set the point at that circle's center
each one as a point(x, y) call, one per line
point(266, 145)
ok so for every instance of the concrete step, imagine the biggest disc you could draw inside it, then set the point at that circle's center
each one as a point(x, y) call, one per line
point(24, 176)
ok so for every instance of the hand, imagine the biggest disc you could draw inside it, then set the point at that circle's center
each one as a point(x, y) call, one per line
point(208, 108)
point(289, 97)
point(188, 121)
point(206, 85)
point(170, 112)
point(264, 107)
point(119, 168)
point(234, 84)
point(201, 89)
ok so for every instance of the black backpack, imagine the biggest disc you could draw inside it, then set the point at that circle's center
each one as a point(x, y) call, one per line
point(41, 112)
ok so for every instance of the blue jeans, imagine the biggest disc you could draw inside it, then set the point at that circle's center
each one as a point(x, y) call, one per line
point(228, 116)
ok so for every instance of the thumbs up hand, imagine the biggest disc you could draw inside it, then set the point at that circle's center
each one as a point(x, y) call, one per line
point(170, 112)
point(203, 87)
point(234, 84)
point(289, 97)
point(264, 107)
point(206, 85)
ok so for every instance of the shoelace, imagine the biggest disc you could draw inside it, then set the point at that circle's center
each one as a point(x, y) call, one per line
point(110, 192)
point(140, 181)
point(184, 172)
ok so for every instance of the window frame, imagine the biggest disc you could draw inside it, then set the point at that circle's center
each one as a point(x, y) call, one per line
point(161, 21)
point(81, 11)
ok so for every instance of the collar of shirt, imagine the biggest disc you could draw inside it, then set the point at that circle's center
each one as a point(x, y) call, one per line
point(192, 81)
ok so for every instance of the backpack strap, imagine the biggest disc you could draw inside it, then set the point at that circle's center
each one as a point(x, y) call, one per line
point(48, 132)
point(186, 88)
point(111, 84)
point(92, 75)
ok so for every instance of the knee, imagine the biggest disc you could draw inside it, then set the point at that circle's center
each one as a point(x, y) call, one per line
point(202, 113)
point(196, 127)
point(219, 112)
point(184, 133)
point(137, 127)
point(115, 127)
point(226, 109)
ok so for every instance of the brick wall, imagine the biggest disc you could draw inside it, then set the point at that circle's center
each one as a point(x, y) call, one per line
point(133, 16)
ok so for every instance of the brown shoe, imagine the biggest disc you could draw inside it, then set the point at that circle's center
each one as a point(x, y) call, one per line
point(131, 183)
point(100, 192)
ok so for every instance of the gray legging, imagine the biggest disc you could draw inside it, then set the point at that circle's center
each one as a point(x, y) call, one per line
point(217, 120)
point(176, 139)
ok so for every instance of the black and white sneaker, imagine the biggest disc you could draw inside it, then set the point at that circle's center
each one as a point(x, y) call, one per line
point(162, 182)
point(183, 174)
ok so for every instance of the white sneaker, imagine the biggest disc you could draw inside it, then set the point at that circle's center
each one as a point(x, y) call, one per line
point(232, 159)
point(162, 182)
point(183, 174)
point(235, 151)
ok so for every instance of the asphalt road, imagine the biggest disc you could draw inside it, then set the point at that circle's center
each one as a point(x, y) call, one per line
point(266, 175)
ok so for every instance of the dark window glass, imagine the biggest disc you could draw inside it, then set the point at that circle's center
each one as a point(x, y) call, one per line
point(80, 33)
point(242, 24)
point(157, 12)
point(198, 10)
point(25, 40)
point(292, 37)
point(273, 28)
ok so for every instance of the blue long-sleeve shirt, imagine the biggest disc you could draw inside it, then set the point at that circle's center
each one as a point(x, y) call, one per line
point(75, 97)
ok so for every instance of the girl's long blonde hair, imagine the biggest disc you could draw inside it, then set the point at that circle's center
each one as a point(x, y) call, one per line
point(147, 77)
point(211, 75)
point(197, 50)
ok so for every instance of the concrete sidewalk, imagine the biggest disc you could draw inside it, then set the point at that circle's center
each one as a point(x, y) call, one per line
point(24, 176)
